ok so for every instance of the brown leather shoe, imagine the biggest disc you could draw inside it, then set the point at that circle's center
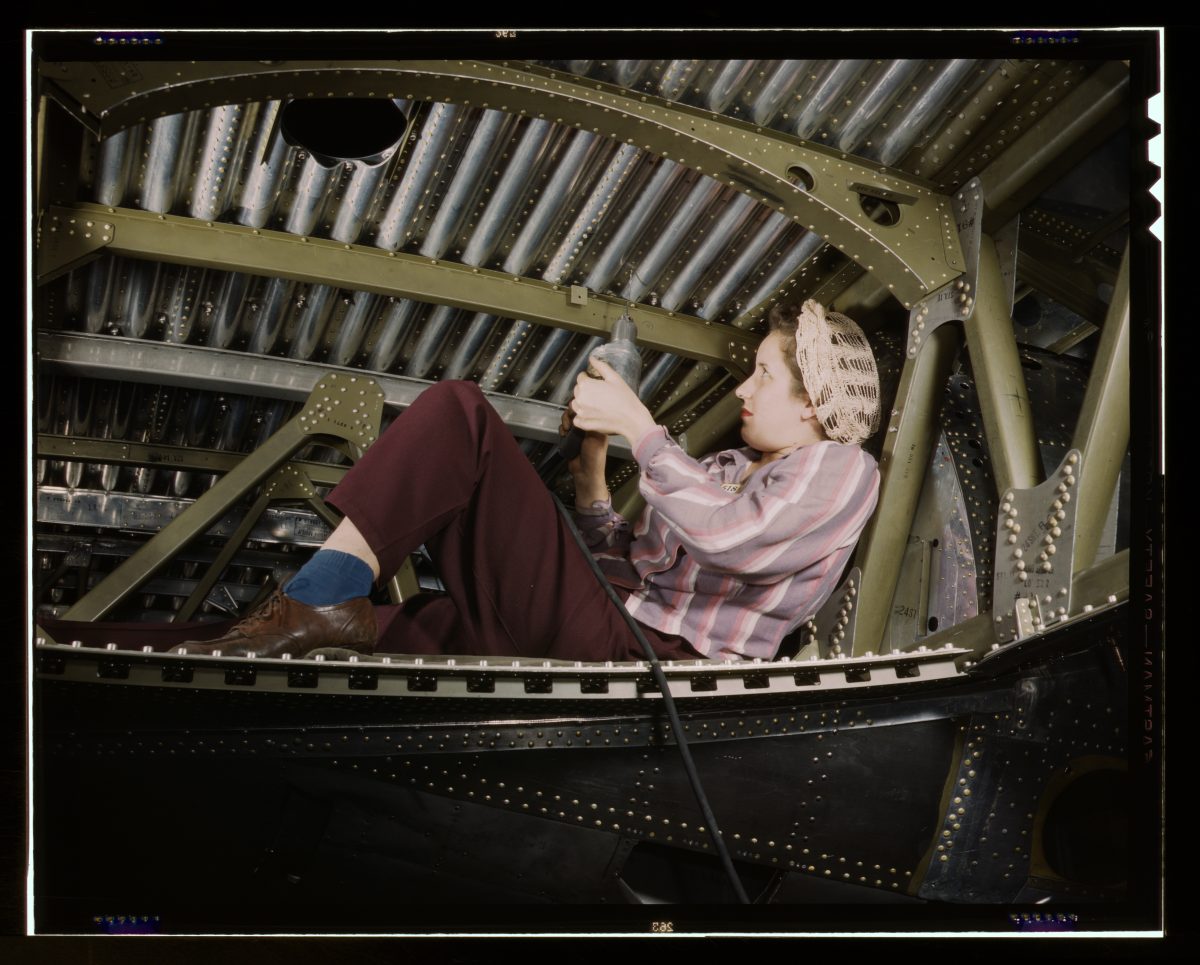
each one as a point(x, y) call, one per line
point(286, 626)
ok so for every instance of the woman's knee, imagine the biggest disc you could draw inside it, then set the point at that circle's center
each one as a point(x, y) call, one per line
point(457, 392)
point(456, 402)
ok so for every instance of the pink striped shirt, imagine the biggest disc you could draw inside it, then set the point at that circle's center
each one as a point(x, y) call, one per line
point(734, 573)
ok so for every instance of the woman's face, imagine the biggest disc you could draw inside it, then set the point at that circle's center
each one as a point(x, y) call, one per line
point(775, 420)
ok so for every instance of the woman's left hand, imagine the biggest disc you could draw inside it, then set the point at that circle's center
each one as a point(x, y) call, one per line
point(610, 406)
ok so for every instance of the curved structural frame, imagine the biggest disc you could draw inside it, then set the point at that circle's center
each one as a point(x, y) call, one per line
point(822, 189)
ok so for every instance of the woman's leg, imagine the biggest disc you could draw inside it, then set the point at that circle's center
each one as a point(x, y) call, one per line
point(448, 474)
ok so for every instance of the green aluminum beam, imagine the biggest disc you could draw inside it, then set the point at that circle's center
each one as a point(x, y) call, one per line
point(228, 247)
point(1111, 224)
point(1104, 584)
point(126, 453)
point(226, 370)
point(1102, 431)
point(1079, 333)
point(1080, 122)
point(911, 434)
point(222, 560)
point(1070, 280)
point(1000, 380)
point(815, 186)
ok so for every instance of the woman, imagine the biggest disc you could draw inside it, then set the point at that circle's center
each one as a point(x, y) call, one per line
point(731, 554)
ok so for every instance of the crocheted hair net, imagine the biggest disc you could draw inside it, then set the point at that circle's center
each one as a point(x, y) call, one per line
point(838, 368)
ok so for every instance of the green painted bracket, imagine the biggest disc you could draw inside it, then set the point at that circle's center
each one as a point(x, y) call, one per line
point(830, 632)
point(68, 239)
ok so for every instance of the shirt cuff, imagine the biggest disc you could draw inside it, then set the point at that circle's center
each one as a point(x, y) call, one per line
point(649, 444)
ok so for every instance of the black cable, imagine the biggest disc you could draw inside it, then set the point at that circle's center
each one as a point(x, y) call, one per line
point(669, 702)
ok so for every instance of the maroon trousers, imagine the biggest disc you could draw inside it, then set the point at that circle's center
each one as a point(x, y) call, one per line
point(448, 474)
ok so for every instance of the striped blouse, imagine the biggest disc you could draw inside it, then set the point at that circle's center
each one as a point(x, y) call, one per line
point(734, 571)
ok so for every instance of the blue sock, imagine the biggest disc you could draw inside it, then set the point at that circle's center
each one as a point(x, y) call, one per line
point(330, 577)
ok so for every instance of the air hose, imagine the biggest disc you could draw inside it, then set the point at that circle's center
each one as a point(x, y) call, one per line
point(660, 679)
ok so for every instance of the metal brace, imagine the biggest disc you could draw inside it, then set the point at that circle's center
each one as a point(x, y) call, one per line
point(1035, 547)
point(834, 623)
point(342, 410)
point(346, 407)
point(66, 241)
point(954, 301)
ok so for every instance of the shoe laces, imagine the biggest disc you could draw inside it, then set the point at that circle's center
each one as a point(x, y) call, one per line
point(264, 614)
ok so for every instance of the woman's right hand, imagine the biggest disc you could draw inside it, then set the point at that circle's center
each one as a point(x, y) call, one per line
point(587, 469)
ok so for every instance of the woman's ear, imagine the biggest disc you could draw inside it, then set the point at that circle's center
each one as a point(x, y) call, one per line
point(809, 411)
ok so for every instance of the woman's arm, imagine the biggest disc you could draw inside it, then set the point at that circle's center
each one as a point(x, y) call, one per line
point(803, 507)
point(603, 530)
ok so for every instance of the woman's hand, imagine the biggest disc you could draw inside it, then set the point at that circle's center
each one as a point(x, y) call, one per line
point(587, 468)
point(607, 405)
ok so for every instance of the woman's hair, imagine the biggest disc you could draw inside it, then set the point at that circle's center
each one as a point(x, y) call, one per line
point(832, 364)
point(785, 320)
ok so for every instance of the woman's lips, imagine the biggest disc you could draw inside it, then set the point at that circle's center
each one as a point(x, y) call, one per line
point(746, 413)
